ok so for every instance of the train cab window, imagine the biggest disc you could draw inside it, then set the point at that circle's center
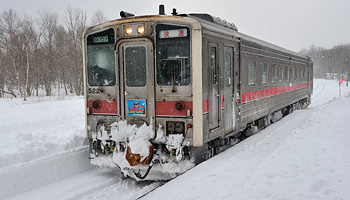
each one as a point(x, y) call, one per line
point(251, 73)
point(100, 58)
point(135, 63)
point(273, 73)
point(173, 57)
point(280, 73)
point(263, 72)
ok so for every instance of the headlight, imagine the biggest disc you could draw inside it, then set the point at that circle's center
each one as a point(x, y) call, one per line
point(128, 30)
point(140, 29)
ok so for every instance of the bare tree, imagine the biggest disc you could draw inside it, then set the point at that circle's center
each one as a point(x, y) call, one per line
point(76, 20)
point(2, 74)
point(49, 25)
point(10, 25)
point(98, 17)
point(30, 40)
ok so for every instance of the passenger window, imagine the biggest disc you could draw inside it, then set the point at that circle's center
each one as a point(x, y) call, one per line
point(213, 64)
point(273, 73)
point(291, 75)
point(287, 73)
point(280, 73)
point(251, 73)
point(264, 72)
point(302, 69)
point(297, 73)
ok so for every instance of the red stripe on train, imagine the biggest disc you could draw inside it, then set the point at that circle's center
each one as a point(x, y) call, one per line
point(260, 94)
point(104, 107)
point(168, 108)
point(205, 106)
point(222, 102)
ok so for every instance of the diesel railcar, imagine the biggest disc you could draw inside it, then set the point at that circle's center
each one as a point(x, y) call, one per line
point(166, 92)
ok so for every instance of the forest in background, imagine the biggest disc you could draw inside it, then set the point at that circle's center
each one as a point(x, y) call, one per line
point(45, 53)
point(330, 61)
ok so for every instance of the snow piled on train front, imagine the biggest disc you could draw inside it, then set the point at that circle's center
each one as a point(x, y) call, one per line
point(164, 166)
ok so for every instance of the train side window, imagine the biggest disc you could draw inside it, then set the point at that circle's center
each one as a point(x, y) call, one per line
point(287, 73)
point(297, 73)
point(251, 73)
point(280, 73)
point(213, 64)
point(263, 72)
point(273, 73)
point(291, 74)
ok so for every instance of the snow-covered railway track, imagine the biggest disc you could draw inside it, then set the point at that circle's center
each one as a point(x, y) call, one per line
point(318, 90)
point(28, 176)
point(68, 175)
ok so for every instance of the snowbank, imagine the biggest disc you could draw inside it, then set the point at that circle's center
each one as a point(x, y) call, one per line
point(39, 127)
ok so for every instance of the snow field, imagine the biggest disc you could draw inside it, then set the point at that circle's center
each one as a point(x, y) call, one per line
point(303, 156)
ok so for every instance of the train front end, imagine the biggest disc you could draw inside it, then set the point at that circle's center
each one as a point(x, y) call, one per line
point(143, 103)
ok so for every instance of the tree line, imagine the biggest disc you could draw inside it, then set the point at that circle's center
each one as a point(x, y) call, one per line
point(43, 53)
point(332, 61)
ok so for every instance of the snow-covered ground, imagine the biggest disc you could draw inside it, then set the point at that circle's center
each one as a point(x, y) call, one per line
point(41, 126)
point(306, 155)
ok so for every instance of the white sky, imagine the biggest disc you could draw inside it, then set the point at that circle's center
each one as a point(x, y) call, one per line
point(292, 24)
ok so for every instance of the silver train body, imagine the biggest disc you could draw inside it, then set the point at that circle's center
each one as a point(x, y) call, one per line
point(164, 93)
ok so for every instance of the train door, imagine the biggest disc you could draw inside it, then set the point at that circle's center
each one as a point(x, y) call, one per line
point(214, 108)
point(137, 82)
point(228, 90)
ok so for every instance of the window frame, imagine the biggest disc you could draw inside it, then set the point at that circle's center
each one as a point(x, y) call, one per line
point(264, 66)
point(273, 72)
point(251, 65)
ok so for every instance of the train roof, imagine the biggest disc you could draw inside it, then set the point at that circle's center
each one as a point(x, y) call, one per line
point(215, 24)
point(229, 29)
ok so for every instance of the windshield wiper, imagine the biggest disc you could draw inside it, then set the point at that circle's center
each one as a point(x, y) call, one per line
point(94, 78)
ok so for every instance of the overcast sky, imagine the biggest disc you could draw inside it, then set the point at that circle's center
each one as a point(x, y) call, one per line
point(292, 24)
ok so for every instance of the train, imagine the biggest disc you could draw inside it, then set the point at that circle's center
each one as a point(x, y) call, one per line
point(164, 93)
